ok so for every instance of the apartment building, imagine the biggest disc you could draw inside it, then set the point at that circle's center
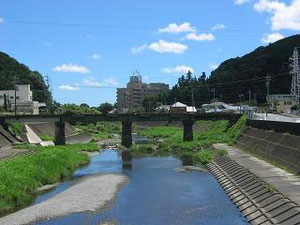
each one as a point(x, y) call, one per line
point(132, 96)
point(24, 100)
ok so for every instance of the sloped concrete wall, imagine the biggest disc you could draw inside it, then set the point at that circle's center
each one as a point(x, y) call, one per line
point(281, 149)
point(49, 129)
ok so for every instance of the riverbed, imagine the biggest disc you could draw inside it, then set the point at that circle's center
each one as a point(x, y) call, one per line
point(155, 194)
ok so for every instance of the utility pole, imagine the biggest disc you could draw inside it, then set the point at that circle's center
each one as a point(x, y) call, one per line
point(295, 72)
point(214, 91)
point(268, 81)
point(15, 94)
point(240, 96)
point(193, 101)
point(249, 96)
point(149, 106)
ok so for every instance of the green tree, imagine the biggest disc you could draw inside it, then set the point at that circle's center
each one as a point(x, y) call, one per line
point(105, 107)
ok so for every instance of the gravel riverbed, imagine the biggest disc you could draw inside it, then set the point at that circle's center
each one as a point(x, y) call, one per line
point(90, 194)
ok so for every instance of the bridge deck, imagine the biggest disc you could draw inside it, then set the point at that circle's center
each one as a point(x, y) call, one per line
point(118, 117)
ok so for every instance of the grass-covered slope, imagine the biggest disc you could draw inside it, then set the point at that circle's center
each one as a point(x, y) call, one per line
point(21, 176)
point(169, 140)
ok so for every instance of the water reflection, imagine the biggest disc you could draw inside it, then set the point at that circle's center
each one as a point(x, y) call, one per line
point(157, 194)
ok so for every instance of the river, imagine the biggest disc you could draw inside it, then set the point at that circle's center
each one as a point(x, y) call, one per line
point(156, 194)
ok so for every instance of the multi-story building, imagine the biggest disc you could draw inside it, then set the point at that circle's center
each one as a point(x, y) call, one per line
point(132, 96)
point(281, 103)
point(22, 97)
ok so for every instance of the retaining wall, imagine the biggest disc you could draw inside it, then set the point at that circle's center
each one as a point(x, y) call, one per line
point(281, 149)
point(49, 129)
point(282, 127)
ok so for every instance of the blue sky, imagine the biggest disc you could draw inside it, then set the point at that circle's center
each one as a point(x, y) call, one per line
point(88, 48)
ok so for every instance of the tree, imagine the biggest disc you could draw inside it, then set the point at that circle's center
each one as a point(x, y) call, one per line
point(84, 105)
point(105, 107)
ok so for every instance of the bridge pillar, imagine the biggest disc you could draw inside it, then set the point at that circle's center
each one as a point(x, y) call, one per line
point(60, 135)
point(188, 130)
point(126, 134)
point(3, 123)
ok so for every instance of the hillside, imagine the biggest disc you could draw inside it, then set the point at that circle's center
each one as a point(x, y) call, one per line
point(272, 60)
point(11, 69)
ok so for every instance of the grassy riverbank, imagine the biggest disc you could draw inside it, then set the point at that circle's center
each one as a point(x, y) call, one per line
point(21, 176)
point(99, 130)
point(169, 141)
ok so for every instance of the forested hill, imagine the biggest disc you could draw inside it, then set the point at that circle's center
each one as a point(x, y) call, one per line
point(272, 60)
point(11, 69)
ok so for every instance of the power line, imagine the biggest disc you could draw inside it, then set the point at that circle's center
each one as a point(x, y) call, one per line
point(186, 85)
point(109, 26)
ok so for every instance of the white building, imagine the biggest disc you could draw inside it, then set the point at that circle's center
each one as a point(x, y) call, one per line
point(179, 107)
point(25, 104)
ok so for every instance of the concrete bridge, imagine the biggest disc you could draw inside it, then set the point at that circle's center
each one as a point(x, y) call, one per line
point(188, 121)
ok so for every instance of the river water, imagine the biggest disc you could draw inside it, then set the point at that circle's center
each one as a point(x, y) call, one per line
point(156, 195)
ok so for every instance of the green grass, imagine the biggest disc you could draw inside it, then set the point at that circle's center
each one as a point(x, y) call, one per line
point(99, 130)
point(142, 150)
point(89, 147)
point(21, 176)
point(47, 138)
point(206, 156)
point(169, 140)
point(17, 128)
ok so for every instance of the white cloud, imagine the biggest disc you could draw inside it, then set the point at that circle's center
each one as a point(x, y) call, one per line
point(111, 81)
point(218, 26)
point(71, 68)
point(178, 69)
point(139, 49)
point(174, 28)
point(270, 38)
point(1, 20)
point(240, 2)
point(95, 56)
point(92, 82)
point(164, 46)
point(283, 16)
point(68, 87)
point(200, 37)
point(213, 65)
point(47, 44)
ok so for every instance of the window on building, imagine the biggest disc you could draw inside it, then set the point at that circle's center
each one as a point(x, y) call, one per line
point(11, 97)
point(18, 97)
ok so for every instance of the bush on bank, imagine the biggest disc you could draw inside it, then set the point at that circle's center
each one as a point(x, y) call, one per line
point(170, 140)
point(47, 138)
point(21, 176)
point(99, 130)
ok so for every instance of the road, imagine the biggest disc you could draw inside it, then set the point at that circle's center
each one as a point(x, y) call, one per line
point(276, 117)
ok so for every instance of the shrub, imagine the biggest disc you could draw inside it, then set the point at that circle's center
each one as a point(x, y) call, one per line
point(47, 138)
point(20, 177)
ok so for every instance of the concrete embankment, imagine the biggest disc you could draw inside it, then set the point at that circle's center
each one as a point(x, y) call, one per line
point(49, 129)
point(281, 149)
point(90, 194)
point(259, 202)
point(6, 139)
